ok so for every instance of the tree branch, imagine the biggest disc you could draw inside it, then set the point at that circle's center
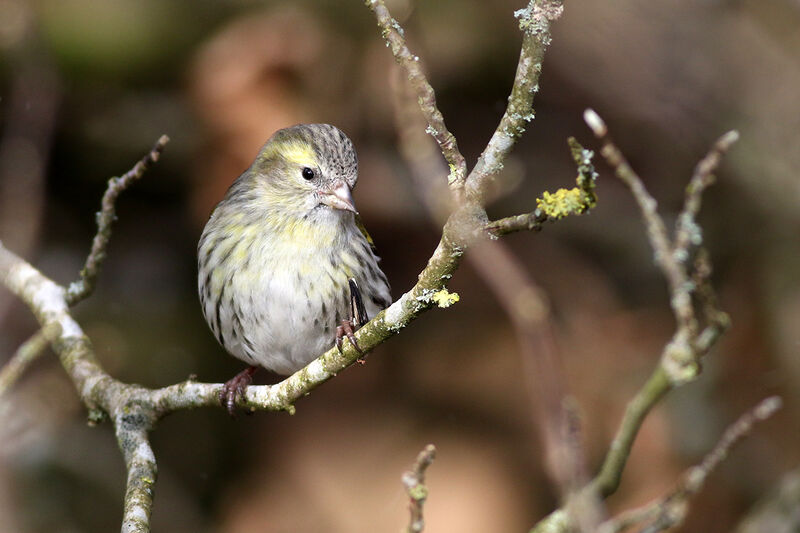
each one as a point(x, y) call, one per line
point(414, 482)
point(687, 232)
point(670, 510)
point(515, 289)
point(82, 288)
point(607, 480)
point(557, 205)
point(394, 35)
point(656, 229)
point(142, 471)
point(128, 406)
point(534, 21)
point(680, 357)
point(27, 353)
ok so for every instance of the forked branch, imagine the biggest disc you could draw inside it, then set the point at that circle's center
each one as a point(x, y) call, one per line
point(699, 321)
point(670, 510)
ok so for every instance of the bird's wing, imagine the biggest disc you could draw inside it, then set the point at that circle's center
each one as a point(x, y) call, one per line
point(365, 233)
point(357, 310)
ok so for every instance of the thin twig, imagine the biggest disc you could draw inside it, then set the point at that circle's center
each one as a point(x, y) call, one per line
point(557, 205)
point(679, 361)
point(27, 353)
point(414, 482)
point(394, 35)
point(420, 152)
point(529, 312)
point(533, 221)
point(656, 387)
point(716, 321)
point(534, 21)
point(82, 288)
point(656, 230)
point(687, 232)
point(670, 510)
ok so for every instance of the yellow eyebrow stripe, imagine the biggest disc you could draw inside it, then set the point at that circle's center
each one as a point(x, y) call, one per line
point(293, 152)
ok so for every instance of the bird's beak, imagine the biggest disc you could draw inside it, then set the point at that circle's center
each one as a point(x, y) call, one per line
point(339, 197)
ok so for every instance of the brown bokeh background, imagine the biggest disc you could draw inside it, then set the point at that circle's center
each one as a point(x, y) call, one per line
point(86, 88)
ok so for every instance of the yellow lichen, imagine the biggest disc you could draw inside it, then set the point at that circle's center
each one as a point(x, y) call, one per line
point(451, 178)
point(445, 298)
point(563, 202)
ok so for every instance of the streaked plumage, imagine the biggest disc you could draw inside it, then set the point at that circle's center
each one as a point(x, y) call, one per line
point(275, 257)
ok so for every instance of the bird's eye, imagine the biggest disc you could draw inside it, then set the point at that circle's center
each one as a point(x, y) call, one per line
point(308, 173)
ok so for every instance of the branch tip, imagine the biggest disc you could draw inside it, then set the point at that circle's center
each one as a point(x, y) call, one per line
point(83, 287)
point(393, 34)
point(535, 21)
point(768, 407)
point(595, 123)
point(414, 482)
point(728, 139)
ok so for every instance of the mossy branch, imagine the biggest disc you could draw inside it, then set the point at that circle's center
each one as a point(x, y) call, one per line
point(534, 21)
point(557, 205)
point(426, 97)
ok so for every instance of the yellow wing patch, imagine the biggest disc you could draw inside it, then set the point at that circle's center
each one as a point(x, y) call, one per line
point(365, 233)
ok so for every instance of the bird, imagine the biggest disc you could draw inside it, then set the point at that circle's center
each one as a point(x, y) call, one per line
point(286, 268)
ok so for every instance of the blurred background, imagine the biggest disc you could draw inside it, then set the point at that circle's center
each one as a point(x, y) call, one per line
point(87, 87)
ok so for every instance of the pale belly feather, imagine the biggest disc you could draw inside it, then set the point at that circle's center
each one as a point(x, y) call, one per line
point(281, 307)
point(288, 309)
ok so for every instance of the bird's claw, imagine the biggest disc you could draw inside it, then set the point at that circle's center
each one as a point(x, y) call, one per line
point(358, 317)
point(235, 388)
point(345, 329)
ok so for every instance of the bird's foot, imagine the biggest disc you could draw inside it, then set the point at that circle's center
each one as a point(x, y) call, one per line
point(235, 388)
point(346, 329)
point(358, 317)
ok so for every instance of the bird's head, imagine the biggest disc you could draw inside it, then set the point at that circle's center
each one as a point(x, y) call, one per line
point(306, 167)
